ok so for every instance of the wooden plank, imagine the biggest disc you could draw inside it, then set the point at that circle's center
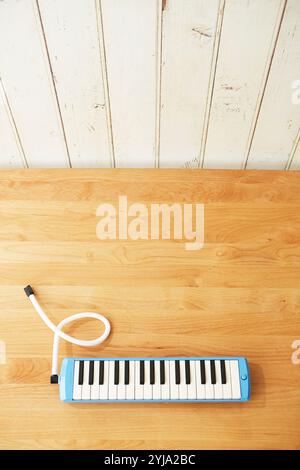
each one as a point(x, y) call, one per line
point(247, 41)
point(188, 38)
point(11, 152)
point(256, 305)
point(73, 45)
point(279, 118)
point(230, 298)
point(229, 276)
point(130, 35)
point(280, 253)
point(204, 186)
point(75, 221)
point(28, 84)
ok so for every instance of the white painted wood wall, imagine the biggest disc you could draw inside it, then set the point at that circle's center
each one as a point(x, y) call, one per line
point(150, 83)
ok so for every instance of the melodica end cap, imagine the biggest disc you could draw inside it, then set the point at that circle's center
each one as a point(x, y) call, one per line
point(28, 290)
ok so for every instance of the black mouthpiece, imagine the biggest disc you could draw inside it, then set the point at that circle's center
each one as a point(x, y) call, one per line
point(28, 290)
point(54, 379)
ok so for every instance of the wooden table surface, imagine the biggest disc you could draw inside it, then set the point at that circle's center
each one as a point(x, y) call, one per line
point(239, 295)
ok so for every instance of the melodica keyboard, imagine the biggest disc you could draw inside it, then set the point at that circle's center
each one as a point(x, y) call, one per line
point(171, 379)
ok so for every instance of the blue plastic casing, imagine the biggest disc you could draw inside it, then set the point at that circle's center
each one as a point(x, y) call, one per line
point(67, 369)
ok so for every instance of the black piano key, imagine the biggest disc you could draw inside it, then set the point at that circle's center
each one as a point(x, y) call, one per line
point(142, 372)
point(117, 368)
point(213, 372)
point(162, 373)
point(152, 375)
point(126, 380)
point(223, 371)
point(80, 377)
point(187, 372)
point(177, 372)
point(91, 373)
point(101, 373)
point(202, 372)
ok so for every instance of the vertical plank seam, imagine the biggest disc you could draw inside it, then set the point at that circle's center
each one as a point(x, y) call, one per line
point(211, 82)
point(293, 151)
point(13, 124)
point(159, 16)
point(104, 73)
point(53, 87)
point(265, 80)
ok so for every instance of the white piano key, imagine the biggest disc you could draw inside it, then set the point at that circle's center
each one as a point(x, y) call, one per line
point(235, 380)
point(167, 391)
point(76, 388)
point(165, 388)
point(95, 388)
point(121, 390)
point(147, 386)
point(156, 388)
point(200, 386)
point(191, 388)
point(182, 388)
point(209, 388)
point(174, 388)
point(112, 388)
point(104, 388)
point(218, 389)
point(138, 389)
point(130, 387)
point(227, 394)
point(86, 388)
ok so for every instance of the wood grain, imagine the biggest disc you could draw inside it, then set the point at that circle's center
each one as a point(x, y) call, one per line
point(295, 164)
point(29, 85)
point(72, 41)
point(278, 111)
point(130, 38)
point(239, 295)
point(189, 37)
point(11, 155)
point(240, 77)
point(150, 83)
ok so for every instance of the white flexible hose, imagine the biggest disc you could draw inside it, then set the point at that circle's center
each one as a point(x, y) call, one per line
point(60, 334)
